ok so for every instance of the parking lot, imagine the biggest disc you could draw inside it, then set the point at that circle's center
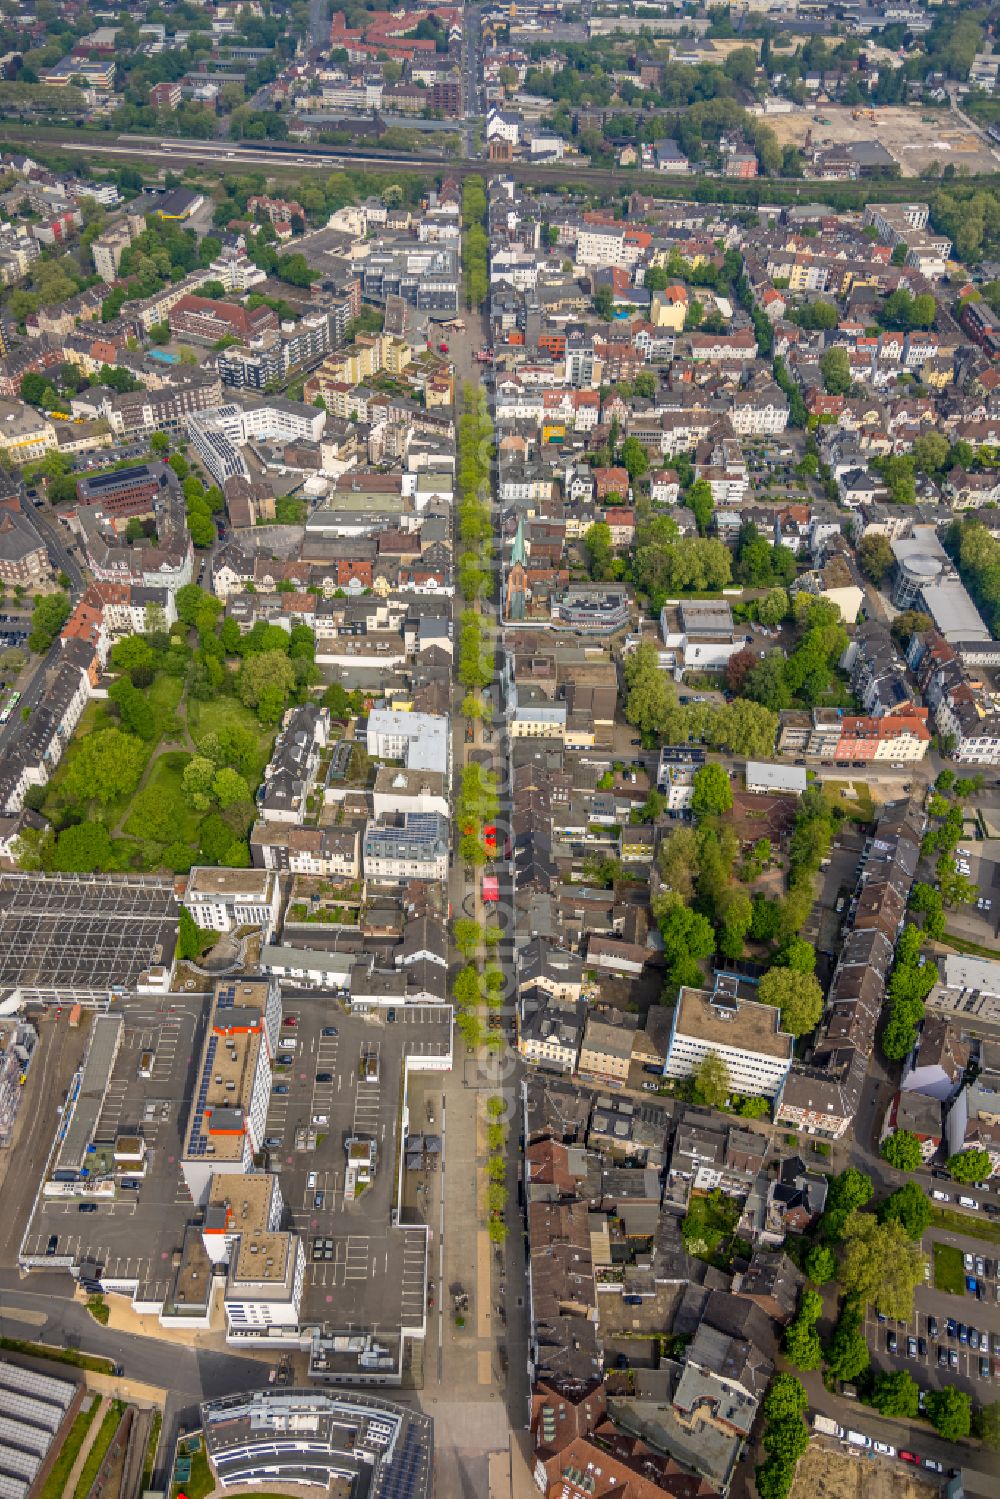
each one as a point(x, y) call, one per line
point(340, 1078)
point(948, 1336)
point(135, 1234)
point(13, 630)
point(979, 861)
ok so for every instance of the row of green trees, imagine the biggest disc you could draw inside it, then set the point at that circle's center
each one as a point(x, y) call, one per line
point(902, 1150)
point(475, 526)
point(784, 1438)
point(496, 1170)
point(740, 727)
point(475, 652)
point(476, 807)
point(977, 555)
point(876, 1260)
point(476, 994)
point(475, 245)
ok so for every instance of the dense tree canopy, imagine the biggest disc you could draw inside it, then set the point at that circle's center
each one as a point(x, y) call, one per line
point(880, 1265)
point(797, 995)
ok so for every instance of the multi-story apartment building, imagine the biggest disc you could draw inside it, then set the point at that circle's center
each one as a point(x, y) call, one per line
point(219, 433)
point(425, 276)
point(330, 853)
point(137, 413)
point(255, 369)
point(108, 250)
point(264, 1288)
point(404, 791)
point(406, 846)
point(24, 433)
point(421, 740)
point(24, 558)
point(823, 1097)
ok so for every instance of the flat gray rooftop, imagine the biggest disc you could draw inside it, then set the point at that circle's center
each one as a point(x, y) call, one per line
point(89, 1100)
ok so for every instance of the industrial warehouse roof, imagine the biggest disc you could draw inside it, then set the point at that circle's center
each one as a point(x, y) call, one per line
point(954, 613)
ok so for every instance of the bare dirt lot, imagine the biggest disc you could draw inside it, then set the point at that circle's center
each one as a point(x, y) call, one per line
point(913, 137)
point(825, 1474)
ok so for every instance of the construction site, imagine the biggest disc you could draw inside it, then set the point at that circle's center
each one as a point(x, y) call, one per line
point(822, 1474)
point(913, 139)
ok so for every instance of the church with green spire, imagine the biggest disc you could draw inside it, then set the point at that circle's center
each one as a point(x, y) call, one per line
point(515, 594)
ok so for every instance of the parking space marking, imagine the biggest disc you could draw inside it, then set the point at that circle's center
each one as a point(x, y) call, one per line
point(356, 1265)
point(967, 1358)
point(113, 1107)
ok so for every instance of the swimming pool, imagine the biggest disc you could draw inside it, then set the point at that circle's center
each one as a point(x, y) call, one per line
point(163, 356)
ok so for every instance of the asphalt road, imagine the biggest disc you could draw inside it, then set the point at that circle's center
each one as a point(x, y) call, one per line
point(58, 550)
point(319, 23)
point(31, 694)
point(471, 77)
point(981, 1475)
point(192, 1375)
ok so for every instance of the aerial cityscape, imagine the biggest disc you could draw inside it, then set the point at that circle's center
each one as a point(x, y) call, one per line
point(500, 750)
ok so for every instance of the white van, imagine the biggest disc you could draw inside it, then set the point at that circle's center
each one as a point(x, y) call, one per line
point(967, 1202)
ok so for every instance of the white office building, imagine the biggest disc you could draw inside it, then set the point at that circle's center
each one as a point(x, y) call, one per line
point(264, 1287)
point(222, 899)
point(744, 1034)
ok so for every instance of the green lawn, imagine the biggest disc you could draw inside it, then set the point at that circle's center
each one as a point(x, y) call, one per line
point(151, 1448)
point(853, 797)
point(59, 1355)
point(99, 1309)
point(948, 1272)
point(160, 814)
point(69, 1451)
point(163, 697)
point(709, 1226)
point(218, 713)
point(971, 949)
point(201, 1481)
point(972, 1225)
point(99, 1451)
